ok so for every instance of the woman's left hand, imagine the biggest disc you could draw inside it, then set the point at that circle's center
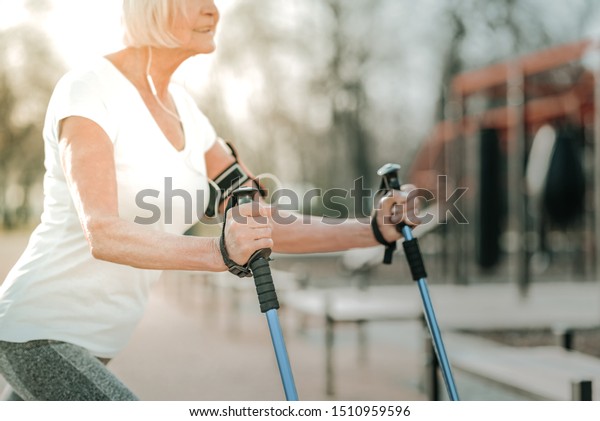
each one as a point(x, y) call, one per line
point(398, 206)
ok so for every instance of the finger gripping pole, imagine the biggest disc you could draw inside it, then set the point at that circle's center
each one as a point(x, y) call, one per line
point(415, 259)
point(267, 297)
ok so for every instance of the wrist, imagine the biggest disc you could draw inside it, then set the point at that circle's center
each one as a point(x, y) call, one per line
point(367, 232)
point(243, 271)
point(219, 265)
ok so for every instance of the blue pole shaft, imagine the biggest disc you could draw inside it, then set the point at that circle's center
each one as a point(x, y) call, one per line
point(434, 329)
point(437, 340)
point(283, 362)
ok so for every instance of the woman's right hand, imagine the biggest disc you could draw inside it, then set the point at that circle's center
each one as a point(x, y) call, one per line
point(248, 228)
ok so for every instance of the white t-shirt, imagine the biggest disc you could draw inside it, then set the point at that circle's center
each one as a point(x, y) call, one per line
point(57, 290)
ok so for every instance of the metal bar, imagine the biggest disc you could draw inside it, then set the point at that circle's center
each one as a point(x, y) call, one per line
point(597, 167)
point(516, 163)
point(329, 363)
point(432, 385)
point(581, 390)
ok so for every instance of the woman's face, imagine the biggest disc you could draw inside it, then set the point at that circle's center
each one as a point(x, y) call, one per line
point(197, 29)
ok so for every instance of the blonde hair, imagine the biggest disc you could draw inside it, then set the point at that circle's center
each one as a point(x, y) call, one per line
point(149, 22)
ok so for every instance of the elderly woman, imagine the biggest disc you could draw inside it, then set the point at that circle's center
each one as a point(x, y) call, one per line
point(113, 129)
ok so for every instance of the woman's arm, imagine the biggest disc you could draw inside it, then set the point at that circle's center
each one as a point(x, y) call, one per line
point(87, 152)
point(317, 235)
point(295, 233)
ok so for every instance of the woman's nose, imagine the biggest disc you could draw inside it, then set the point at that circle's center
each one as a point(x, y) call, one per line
point(210, 8)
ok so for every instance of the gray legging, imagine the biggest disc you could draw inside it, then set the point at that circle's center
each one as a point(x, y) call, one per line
point(57, 371)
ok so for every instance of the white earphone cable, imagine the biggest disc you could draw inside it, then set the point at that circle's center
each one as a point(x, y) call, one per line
point(153, 87)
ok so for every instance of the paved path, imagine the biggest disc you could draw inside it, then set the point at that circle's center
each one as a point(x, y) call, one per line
point(191, 345)
point(187, 348)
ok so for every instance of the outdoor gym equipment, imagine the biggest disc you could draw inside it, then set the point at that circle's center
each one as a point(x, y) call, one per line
point(267, 297)
point(390, 181)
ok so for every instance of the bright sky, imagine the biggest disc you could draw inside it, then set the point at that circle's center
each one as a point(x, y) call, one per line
point(84, 29)
point(79, 29)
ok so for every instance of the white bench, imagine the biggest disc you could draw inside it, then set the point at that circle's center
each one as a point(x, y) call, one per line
point(541, 372)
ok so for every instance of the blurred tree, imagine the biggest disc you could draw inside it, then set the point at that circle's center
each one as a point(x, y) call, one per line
point(343, 83)
point(299, 74)
point(324, 91)
point(28, 71)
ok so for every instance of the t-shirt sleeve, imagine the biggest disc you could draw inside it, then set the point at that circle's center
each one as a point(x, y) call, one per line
point(80, 94)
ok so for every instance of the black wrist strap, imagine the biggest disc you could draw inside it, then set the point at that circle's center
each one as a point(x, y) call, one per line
point(238, 270)
point(243, 271)
point(390, 247)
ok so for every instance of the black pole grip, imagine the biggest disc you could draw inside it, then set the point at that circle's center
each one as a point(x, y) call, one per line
point(259, 261)
point(415, 259)
point(265, 289)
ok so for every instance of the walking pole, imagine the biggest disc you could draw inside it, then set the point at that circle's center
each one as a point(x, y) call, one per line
point(267, 297)
point(390, 181)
